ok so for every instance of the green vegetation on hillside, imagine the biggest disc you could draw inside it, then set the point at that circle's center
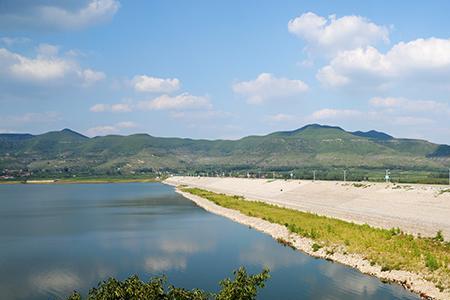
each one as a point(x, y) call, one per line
point(391, 249)
point(243, 287)
point(329, 150)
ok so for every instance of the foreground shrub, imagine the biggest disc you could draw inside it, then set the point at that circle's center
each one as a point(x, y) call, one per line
point(242, 287)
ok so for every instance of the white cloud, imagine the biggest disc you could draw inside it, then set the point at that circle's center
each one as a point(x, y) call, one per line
point(266, 87)
point(99, 108)
point(126, 124)
point(91, 76)
point(144, 83)
point(121, 107)
point(101, 130)
point(35, 69)
point(387, 102)
point(336, 34)
point(179, 102)
point(332, 114)
point(33, 14)
point(117, 107)
point(404, 104)
point(421, 59)
point(110, 129)
point(46, 67)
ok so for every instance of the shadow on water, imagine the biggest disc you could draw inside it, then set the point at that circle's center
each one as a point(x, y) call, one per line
point(57, 238)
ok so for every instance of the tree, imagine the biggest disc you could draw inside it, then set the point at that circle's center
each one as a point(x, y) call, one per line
point(243, 287)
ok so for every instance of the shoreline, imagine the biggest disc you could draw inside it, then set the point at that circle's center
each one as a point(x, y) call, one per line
point(81, 181)
point(410, 281)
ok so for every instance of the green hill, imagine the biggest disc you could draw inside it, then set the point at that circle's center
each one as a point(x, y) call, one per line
point(314, 146)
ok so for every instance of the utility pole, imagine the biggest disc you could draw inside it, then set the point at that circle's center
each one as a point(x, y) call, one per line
point(345, 175)
point(314, 175)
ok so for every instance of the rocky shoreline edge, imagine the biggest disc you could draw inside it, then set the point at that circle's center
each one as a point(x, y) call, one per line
point(410, 281)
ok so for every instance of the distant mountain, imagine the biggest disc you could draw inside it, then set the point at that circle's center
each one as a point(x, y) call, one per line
point(373, 134)
point(304, 128)
point(15, 136)
point(312, 146)
point(441, 151)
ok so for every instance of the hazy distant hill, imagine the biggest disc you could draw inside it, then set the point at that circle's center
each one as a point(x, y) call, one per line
point(310, 146)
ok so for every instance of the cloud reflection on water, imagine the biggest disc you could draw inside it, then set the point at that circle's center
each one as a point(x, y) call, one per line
point(264, 255)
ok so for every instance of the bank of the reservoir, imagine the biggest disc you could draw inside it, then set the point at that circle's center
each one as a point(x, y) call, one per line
point(420, 284)
point(417, 209)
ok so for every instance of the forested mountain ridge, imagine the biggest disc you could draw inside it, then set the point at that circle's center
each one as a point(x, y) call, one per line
point(313, 145)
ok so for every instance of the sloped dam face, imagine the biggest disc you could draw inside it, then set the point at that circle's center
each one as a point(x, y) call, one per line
point(59, 238)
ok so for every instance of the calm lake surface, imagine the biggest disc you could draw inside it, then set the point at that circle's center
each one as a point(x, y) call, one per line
point(57, 238)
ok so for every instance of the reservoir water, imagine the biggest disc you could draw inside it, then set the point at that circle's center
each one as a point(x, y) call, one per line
point(58, 238)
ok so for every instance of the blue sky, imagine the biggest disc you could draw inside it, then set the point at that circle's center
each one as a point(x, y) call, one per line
point(210, 69)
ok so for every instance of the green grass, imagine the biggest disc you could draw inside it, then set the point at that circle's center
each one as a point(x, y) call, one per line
point(391, 249)
point(444, 191)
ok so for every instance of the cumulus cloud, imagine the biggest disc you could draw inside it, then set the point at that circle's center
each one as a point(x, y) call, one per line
point(110, 129)
point(60, 15)
point(425, 59)
point(91, 76)
point(267, 87)
point(179, 102)
point(183, 105)
point(330, 114)
point(337, 34)
point(144, 83)
point(46, 67)
point(39, 68)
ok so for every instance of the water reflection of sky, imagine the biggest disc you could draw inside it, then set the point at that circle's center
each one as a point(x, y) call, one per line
point(57, 238)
